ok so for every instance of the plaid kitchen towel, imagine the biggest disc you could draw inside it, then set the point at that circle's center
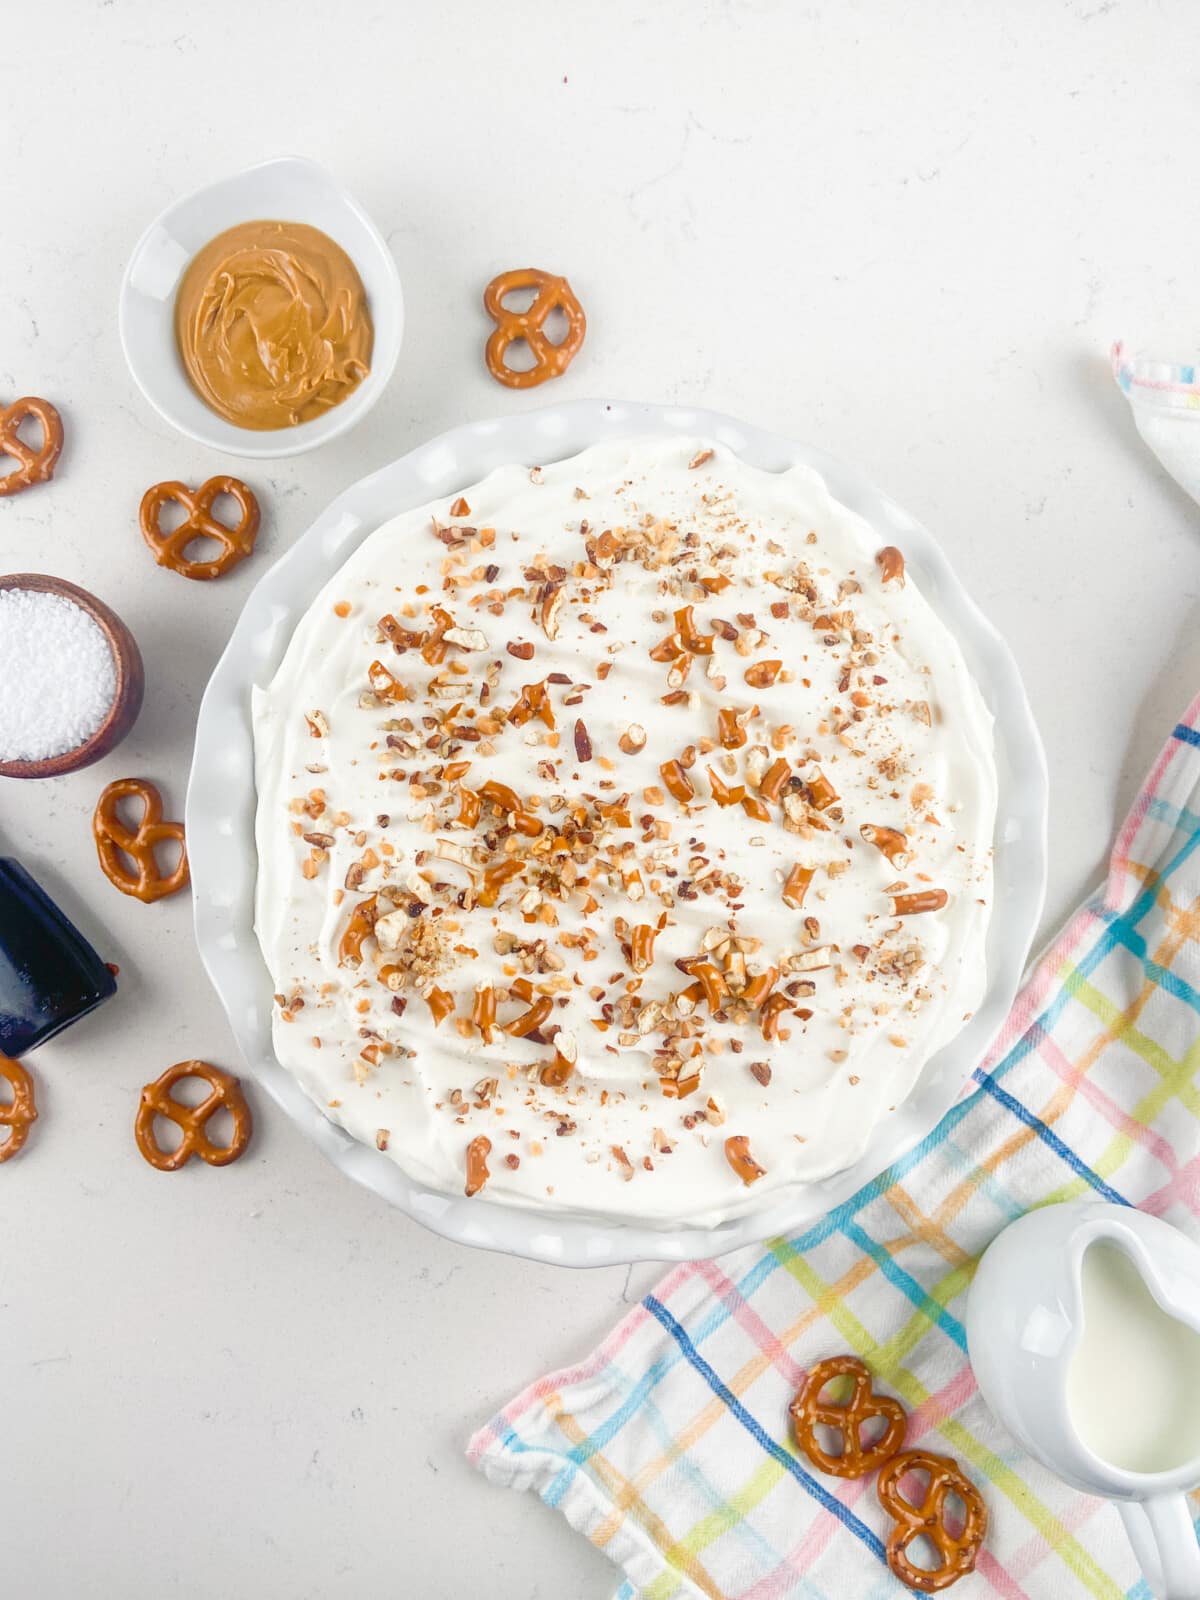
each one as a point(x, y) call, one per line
point(669, 1446)
point(1165, 399)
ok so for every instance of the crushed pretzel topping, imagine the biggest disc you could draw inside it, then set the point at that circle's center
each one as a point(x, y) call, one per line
point(634, 778)
point(737, 1153)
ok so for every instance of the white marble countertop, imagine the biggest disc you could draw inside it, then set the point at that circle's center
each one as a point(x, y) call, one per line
point(906, 233)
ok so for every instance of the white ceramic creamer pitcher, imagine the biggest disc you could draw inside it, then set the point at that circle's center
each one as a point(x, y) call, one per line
point(1083, 1327)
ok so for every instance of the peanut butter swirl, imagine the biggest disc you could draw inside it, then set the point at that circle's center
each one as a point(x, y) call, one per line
point(272, 324)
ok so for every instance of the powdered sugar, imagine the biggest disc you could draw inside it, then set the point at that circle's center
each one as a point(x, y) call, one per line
point(57, 675)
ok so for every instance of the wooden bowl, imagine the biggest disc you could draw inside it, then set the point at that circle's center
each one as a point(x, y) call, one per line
point(127, 696)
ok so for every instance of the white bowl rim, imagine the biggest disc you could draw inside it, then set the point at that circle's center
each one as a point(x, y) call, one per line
point(279, 443)
point(221, 802)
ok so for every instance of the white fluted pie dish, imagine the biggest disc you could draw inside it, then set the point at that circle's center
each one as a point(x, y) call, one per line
point(222, 801)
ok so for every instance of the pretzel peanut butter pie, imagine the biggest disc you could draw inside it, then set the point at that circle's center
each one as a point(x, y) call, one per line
point(624, 835)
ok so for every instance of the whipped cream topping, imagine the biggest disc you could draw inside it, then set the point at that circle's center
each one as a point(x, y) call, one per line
point(624, 836)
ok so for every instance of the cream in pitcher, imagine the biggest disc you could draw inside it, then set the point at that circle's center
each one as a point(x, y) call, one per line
point(1133, 1385)
point(1084, 1332)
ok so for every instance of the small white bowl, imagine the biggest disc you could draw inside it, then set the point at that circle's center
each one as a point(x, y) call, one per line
point(288, 189)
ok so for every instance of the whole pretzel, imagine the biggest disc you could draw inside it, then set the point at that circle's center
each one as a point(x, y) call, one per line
point(549, 360)
point(957, 1551)
point(33, 466)
point(170, 549)
point(809, 1411)
point(117, 845)
point(158, 1101)
point(21, 1110)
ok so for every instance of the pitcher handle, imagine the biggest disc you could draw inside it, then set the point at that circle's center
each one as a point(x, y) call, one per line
point(1164, 1542)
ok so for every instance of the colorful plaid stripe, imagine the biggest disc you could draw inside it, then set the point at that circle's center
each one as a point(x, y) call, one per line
point(1171, 384)
point(669, 1448)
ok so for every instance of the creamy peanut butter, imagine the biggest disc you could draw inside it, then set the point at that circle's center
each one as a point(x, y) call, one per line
point(272, 324)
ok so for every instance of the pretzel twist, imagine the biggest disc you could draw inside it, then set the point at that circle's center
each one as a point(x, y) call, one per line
point(21, 1111)
point(119, 846)
point(33, 466)
point(549, 360)
point(957, 1551)
point(158, 1101)
point(809, 1412)
point(170, 549)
